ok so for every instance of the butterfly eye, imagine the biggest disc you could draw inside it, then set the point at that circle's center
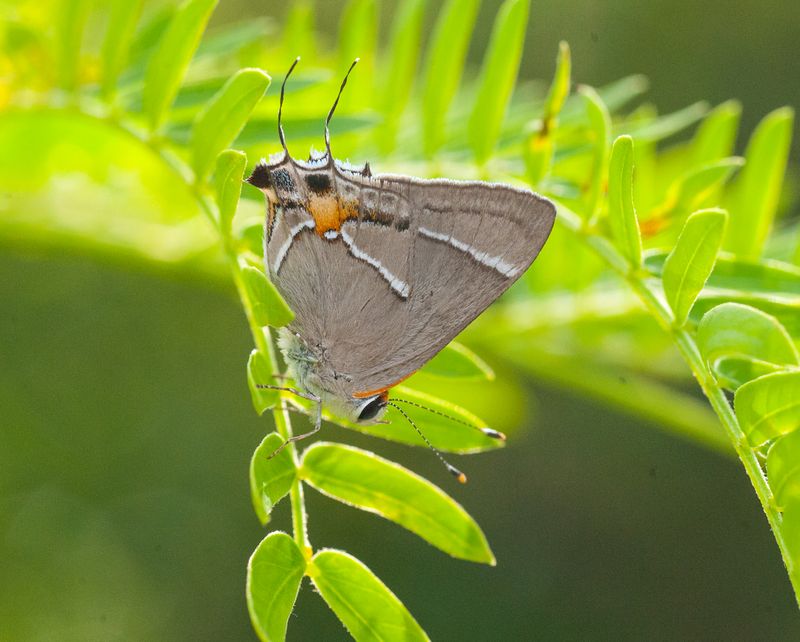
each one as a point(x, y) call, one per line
point(371, 408)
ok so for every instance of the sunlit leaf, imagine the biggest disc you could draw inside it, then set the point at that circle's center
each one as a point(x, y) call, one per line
point(784, 311)
point(669, 124)
point(364, 480)
point(274, 573)
point(456, 361)
point(228, 177)
point(538, 150)
point(358, 37)
point(716, 135)
point(769, 406)
point(740, 342)
point(694, 188)
point(443, 67)
point(271, 475)
point(621, 212)
point(221, 120)
point(498, 77)
point(447, 426)
point(692, 259)
point(122, 19)
point(368, 609)
point(70, 21)
point(259, 372)
point(267, 304)
point(400, 66)
point(783, 466)
point(299, 37)
point(171, 58)
point(759, 186)
point(599, 133)
point(790, 529)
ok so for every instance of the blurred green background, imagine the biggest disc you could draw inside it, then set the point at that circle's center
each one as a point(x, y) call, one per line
point(126, 426)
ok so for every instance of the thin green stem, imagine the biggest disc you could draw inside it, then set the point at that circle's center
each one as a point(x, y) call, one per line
point(691, 354)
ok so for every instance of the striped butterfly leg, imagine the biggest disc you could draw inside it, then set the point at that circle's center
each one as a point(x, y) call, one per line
point(310, 433)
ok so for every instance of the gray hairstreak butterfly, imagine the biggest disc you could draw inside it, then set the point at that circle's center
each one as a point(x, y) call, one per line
point(383, 271)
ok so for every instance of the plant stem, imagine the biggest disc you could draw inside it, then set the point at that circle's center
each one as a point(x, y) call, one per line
point(691, 354)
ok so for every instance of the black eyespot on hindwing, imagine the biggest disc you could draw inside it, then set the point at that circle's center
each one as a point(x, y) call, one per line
point(260, 177)
point(282, 180)
point(318, 183)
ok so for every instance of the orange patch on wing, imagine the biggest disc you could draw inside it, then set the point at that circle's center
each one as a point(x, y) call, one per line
point(329, 213)
point(380, 391)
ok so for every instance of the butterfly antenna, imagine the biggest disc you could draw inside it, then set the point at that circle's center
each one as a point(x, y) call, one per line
point(333, 108)
point(489, 432)
point(281, 135)
point(455, 472)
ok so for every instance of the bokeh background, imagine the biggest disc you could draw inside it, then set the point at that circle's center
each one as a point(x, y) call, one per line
point(126, 426)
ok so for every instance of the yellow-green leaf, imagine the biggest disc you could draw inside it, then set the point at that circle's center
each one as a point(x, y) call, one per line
point(268, 305)
point(364, 480)
point(621, 212)
point(271, 477)
point(228, 177)
point(259, 372)
point(769, 406)
point(691, 261)
point(599, 133)
point(274, 573)
point(218, 124)
point(368, 609)
point(122, 19)
point(783, 466)
point(169, 62)
point(457, 361)
point(716, 135)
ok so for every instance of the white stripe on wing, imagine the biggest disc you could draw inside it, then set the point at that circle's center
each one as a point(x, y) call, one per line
point(284, 249)
point(494, 262)
point(398, 285)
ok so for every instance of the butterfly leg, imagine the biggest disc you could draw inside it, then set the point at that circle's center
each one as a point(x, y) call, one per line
point(294, 391)
point(314, 431)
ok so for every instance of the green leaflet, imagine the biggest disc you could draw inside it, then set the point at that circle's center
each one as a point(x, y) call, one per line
point(367, 608)
point(259, 372)
point(218, 124)
point(498, 77)
point(621, 212)
point(783, 466)
point(755, 200)
point(695, 188)
point(538, 149)
point(599, 133)
point(169, 62)
point(716, 135)
point(228, 186)
point(274, 573)
point(364, 480)
point(740, 343)
point(400, 67)
point(122, 19)
point(769, 406)
point(668, 125)
point(443, 67)
point(692, 259)
point(457, 361)
point(70, 21)
point(268, 305)
point(271, 477)
point(460, 432)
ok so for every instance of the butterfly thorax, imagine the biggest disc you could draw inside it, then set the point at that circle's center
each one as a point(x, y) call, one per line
point(312, 372)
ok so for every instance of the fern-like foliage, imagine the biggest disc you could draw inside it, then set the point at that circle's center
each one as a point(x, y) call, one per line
point(670, 260)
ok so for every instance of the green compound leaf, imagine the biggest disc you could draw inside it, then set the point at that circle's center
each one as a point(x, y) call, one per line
point(692, 259)
point(171, 59)
point(364, 480)
point(716, 135)
point(783, 466)
point(769, 406)
point(599, 134)
point(539, 147)
point(271, 478)
point(228, 177)
point(400, 67)
point(274, 573)
point(368, 609)
point(741, 343)
point(621, 212)
point(218, 124)
point(460, 432)
point(268, 305)
point(498, 77)
point(756, 199)
point(122, 19)
point(259, 372)
point(456, 361)
point(443, 68)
